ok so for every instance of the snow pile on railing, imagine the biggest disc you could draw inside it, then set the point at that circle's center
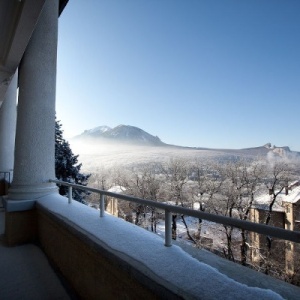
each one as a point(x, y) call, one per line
point(171, 266)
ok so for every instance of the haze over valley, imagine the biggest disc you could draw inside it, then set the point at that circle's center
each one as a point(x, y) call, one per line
point(127, 146)
point(128, 160)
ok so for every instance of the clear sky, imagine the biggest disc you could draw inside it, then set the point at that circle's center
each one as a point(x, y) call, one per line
point(204, 73)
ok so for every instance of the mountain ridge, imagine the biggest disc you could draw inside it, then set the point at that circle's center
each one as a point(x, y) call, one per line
point(132, 135)
point(122, 133)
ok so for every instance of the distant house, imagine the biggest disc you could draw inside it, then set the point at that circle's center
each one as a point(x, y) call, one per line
point(285, 214)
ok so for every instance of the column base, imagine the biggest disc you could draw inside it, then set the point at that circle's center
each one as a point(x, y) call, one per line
point(31, 192)
point(20, 214)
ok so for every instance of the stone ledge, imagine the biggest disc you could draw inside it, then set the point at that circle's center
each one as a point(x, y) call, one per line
point(139, 253)
point(92, 269)
point(17, 205)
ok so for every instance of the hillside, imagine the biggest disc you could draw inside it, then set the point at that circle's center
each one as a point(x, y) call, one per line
point(122, 133)
point(128, 145)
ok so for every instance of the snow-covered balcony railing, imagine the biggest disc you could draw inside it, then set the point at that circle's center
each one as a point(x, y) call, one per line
point(271, 231)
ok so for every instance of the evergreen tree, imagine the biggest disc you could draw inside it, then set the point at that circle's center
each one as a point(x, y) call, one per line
point(67, 167)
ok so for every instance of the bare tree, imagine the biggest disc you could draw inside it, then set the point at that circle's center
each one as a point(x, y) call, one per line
point(142, 182)
point(100, 179)
point(177, 173)
point(278, 180)
point(237, 183)
point(205, 186)
point(250, 176)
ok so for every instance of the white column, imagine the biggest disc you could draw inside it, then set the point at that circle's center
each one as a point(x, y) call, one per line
point(8, 114)
point(35, 135)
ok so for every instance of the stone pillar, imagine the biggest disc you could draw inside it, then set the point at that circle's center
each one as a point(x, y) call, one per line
point(8, 114)
point(34, 161)
point(35, 135)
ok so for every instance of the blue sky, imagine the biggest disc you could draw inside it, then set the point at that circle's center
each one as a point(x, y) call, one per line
point(214, 73)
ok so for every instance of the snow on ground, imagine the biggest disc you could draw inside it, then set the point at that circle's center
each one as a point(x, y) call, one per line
point(209, 230)
point(26, 273)
point(146, 251)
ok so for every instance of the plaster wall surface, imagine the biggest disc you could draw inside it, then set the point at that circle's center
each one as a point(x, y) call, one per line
point(90, 269)
point(20, 227)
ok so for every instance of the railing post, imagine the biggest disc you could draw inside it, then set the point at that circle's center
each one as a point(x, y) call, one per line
point(168, 228)
point(102, 206)
point(70, 195)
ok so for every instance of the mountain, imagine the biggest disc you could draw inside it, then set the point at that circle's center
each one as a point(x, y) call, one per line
point(97, 130)
point(122, 133)
point(128, 145)
point(272, 151)
point(134, 136)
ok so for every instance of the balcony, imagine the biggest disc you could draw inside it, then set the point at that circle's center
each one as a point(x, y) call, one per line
point(109, 258)
point(54, 249)
point(26, 273)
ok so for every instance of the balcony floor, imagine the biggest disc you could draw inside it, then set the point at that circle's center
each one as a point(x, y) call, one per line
point(25, 273)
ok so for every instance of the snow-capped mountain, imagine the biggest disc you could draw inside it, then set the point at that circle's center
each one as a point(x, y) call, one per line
point(122, 133)
point(129, 145)
point(97, 130)
point(131, 135)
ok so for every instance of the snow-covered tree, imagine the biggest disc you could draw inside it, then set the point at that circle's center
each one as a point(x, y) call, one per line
point(143, 182)
point(177, 173)
point(67, 167)
point(280, 173)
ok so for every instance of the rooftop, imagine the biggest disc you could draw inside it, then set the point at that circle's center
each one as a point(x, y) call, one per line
point(293, 197)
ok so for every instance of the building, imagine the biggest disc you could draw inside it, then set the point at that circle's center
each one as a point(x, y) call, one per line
point(99, 257)
point(285, 214)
